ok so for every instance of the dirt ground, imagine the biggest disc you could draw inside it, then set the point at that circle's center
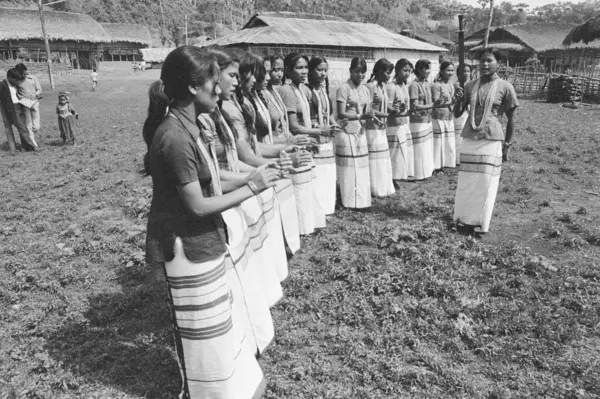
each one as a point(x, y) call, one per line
point(391, 302)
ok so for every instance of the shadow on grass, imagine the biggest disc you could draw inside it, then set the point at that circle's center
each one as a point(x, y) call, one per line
point(123, 343)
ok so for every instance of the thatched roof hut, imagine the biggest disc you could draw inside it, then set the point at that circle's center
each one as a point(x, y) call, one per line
point(585, 33)
point(330, 37)
point(69, 34)
point(155, 55)
point(521, 42)
point(474, 39)
point(24, 24)
point(126, 41)
point(128, 33)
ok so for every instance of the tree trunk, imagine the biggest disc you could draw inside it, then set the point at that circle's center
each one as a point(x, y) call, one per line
point(489, 25)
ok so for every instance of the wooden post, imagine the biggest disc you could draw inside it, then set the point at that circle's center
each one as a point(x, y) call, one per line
point(461, 50)
point(48, 58)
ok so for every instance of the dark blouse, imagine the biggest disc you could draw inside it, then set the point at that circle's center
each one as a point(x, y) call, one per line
point(175, 161)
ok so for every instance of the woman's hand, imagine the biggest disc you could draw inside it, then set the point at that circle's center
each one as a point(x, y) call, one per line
point(299, 139)
point(505, 149)
point(329, 131)
point(264, 176)
point(301, 158)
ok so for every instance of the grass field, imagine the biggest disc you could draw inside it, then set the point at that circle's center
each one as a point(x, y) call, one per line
point(386, 303)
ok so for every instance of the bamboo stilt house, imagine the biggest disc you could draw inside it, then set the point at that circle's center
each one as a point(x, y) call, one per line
point(280, 33)
point(126, 41)
point(74, 39)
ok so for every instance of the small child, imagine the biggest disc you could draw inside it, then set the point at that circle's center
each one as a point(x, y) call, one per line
point(94, 77)
point(66, 118)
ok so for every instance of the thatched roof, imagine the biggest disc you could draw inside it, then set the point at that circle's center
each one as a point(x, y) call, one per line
point(474, 38)
point(24, 24)
point(155, 54)
point(502, 46)
point(267, 29)
point(130, 33)
point(585, 33)
point(538, 37)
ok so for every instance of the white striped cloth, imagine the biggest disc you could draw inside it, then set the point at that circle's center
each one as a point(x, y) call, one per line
point(401, 151)
point(478, 180)
point(325, 181)
point(250, 304)
point(444, 146)
point(459, 124)
point(289, 213)
point(303, 190)
point(422, 139)
point(214, 360)
point(352, 162)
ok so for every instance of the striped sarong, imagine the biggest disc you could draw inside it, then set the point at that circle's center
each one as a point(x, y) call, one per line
point(305, 202)
point(422, 139)
point(289, 215)
point(274, 243)
point(250, 305)
point(459, 124)
point(380, 164)
point(257, 224)
point(352, 162)
point(401, 151)
point(478, 180)
point(324, 183)
point(444, 147)
point(213, 358)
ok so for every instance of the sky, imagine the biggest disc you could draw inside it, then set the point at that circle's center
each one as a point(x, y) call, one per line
point(532, 3)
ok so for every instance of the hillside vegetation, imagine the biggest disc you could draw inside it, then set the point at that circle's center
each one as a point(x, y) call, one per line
point(217, 17)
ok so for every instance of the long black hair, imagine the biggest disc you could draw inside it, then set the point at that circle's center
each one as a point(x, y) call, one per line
point(359, 62)
point(250, 65)
point(183, 67)
point(272, 60)
point(382, 64)
point(400, 66)
point(420, 65)
point(224, 59)
point(289, 62)
point(312, 66)
point(443, 66)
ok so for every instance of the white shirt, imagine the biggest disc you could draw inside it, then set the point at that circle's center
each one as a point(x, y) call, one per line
point(13, 94)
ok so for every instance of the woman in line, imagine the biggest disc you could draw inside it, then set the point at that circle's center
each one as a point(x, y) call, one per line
point(241, 114)
point(485, 145)
point(421, 105)
point(246, 271)
point(29, 93)
point(295, 97)
point(321, 115)
point(443, 95)
point(380, 165)
point(260, 98)
point(459, 122)
point(398, 130)
point(185, 230)
point(351, 148)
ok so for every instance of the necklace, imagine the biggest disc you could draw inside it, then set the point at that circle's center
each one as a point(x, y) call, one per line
point(488, 99)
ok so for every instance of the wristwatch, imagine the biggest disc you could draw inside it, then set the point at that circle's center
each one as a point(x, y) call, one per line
point(253, 187)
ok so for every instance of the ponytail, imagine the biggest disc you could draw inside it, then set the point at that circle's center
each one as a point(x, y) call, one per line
point(157, 109)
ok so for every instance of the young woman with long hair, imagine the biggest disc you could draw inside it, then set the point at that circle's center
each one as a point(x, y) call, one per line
point(252, 277)
point(186, 231)
point(443, 94)
point(295, 97)
point(380, 165)
point(351, 148)
point(485, 145)
point(321, 115)
point(421, 129)
point(398, 130)
point(459, 122)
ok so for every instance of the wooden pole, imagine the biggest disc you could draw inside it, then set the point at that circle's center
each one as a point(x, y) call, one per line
point(186, 30)
point(48, 58)
point(461, 51)
point(489, 25)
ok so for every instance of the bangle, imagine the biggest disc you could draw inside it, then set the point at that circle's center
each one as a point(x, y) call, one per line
point(253, 187)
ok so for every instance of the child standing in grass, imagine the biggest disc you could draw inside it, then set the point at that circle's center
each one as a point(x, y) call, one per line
point(66, 118)
point(94, 77)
